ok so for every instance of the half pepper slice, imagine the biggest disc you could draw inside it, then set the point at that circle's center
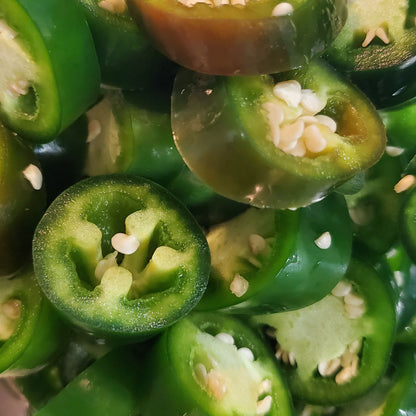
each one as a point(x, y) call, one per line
point(271, 260)
point(277, 143)
point(121, 257)
point(213, 365)
point(50, 71)
point(338, 348)
point(242, 37)
point(30, 330)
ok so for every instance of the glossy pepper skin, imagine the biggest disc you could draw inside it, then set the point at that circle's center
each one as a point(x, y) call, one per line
point(173, 362)
point(38, 333)
point(223, 134)
point(130, 297)
point(291, 271)
point(55, 61)
point(240, 40)
point(111, 385)
point(21, 205)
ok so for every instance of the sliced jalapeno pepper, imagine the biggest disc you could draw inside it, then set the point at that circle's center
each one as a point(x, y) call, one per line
point(127, 60)
point(213, 365)
point(30, 331)
point(241, 37)
point(277, 145)
point(120, 256)
point(22, 200)
point(266, 260)
point(50, 72)
point(336, 349)
point(377, 49)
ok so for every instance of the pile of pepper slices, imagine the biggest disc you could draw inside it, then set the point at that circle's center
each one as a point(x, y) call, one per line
point(207, 206)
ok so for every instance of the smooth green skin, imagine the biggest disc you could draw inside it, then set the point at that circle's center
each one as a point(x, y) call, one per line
point(63, 159)
point(21, 206)
point(375, 209)
point(296, 273)
point(376, 349)
point(39, 333)
point(57, 37)
point(110, 386)
point(169, 374)
point(127, 59)
point(222, 136)
point(408, 224)
point(65, 269)
point(386, 73)
point(400, 125)
point(241, 40)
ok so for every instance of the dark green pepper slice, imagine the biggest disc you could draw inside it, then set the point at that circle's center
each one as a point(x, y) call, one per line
point(30, 331)
point(241, 37)
point(127, 60)
point(338, 348)
point(274, 145)
point(120, 256)
point(22, 200)
point(110, 386)
point(63, 159)
point(210, 364)
point(377, 49)
point(50, 72)
point(266, 260)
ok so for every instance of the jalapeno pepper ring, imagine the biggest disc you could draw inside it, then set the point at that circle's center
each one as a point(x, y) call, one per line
point(120, 256)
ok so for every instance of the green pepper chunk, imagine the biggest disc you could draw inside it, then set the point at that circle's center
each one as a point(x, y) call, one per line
point(127, 59)
point(377, 49)
point(265, 260)
point(210, 364)
point(276, 145)
point(338, 348)
point(121, 257)
point(30, 330)
point(241, 37)
point(50, 72)
point(22, 200)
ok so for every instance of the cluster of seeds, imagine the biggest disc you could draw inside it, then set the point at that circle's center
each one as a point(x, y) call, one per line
point(10, 312)
point(257, 245)
point(214, 381)
point(344, 367)
point(303, 135)
point(354, 305)
point(374, 33)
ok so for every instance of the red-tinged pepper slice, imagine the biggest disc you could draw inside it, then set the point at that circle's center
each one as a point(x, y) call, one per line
point(244, 37)
point(30, 331)
point(279, 143)
point(213, 365)
point(121, 257)
point(50, 72)
point(338, 348)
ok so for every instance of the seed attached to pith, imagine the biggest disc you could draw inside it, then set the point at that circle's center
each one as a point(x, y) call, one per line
point(329, 368)
point(289, 91)
point(225, 338)
point(315, 141)
point(113, 6)
point(239, 285)
point(345, 375)
point(12, 309)
point(18, 88)
point(354, 311)
point(265, 387)
point(124, 243)
point(246, 353)
point(257, 243)
point(201, 374)
point(216, 384)
point(311, 102)
point(264, 405)
point(341, 289)
point(327, 121)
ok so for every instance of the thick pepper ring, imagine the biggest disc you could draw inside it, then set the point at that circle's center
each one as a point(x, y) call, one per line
point(121, 257)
